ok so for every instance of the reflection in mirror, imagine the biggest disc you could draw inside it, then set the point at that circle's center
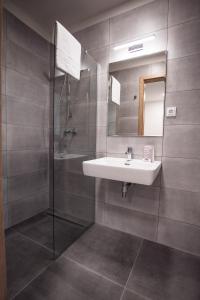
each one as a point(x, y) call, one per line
point(136, 96)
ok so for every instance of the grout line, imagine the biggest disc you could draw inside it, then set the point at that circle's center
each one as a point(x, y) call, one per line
point(182, 124)
point(195, 19)
point(181, 91)
point(37, 243)
point(91, 270)
point(28, 283)
point(131, 271)
point(182, 222)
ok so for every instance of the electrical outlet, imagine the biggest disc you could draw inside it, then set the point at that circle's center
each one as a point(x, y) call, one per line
point(171, 111)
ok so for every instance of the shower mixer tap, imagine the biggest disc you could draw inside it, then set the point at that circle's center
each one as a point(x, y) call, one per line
point(72, 131)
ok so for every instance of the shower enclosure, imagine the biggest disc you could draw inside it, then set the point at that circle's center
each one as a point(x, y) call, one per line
point(49, 129)
point(73, 140)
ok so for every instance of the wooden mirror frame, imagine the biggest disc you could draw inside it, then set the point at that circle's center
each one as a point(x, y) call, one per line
point(142, 81)
point(3, 288)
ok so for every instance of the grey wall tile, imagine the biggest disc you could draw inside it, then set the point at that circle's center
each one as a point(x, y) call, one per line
point(20, 162)
point(183, 39)
point(101, 139)
point(21, 86)
point(102, 113)
point(188, 107)
point(101, 56)
point(102, 92)
point(26, 37)
point(94, 36)
point(183, 73)
point(3, 144)
point(76, 184)
point(25, 185)
point(24, 113)
point(26, 208)
point(180, 205)
point(22, 60)
point(179, 235)
point(120, 144)
point(139, 21)
point(129, 221)
point(3, 80)
point(99, 212)
point(72, 164)
point(182, 141)
point(74, 206)
point(3, 109)
point(25, 138)
point(140, 198)
point(181, 11)
point(183, 174)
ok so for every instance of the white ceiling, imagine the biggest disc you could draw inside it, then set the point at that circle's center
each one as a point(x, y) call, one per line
point(70, 13)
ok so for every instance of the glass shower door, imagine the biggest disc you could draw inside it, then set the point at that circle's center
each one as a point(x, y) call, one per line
point(73, 141)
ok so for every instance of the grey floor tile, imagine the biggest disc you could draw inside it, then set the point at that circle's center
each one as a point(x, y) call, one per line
point(108, 252)
point(67, 280)
point(25, 260)
point(162, 273)
point(129, 295)
point(40, 230)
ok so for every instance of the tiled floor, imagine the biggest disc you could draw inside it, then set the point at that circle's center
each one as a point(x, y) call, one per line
point(109, 265)
point(29, 248)
point(40, 230)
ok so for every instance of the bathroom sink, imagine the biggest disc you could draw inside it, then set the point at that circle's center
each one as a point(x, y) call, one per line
point(133, 171)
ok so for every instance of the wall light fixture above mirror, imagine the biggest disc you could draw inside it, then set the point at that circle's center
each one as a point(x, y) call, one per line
point(136, 96)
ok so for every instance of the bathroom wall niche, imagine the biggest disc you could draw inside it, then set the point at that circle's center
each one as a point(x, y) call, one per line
point(136, 94)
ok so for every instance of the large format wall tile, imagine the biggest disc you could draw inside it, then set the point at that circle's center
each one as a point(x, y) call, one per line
point(27, 207)
point(26, 62)
point(179, 173)
point(119, 144)
point(24, 113)
point(26, 37)
point(180, 205)
point(101, 56)
point(188, 107)
point(179, 235)
point(25, 185)
point(95, 36)
point(76, 184)
point(183, 39)
point(3, 80)
point(25, 138)
point(183, 73)
point(20, 162)
point(140, 198)
point(130, 221)
point(101, 139)
point(27, 88)
point(181, 11)
point(77, 207)
point(139, 21)
point(182, 141)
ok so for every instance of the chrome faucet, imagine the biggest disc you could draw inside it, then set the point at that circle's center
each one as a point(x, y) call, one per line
point(71, 131)
point(129, 153)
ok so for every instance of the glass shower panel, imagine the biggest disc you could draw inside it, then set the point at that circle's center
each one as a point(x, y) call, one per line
point(74, 140)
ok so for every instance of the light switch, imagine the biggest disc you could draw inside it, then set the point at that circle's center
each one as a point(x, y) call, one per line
point(171, 111)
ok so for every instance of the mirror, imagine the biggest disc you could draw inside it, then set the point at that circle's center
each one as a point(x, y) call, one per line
point(136, 96)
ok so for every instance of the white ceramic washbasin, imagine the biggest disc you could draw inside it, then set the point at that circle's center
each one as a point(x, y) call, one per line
point(137, 171)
